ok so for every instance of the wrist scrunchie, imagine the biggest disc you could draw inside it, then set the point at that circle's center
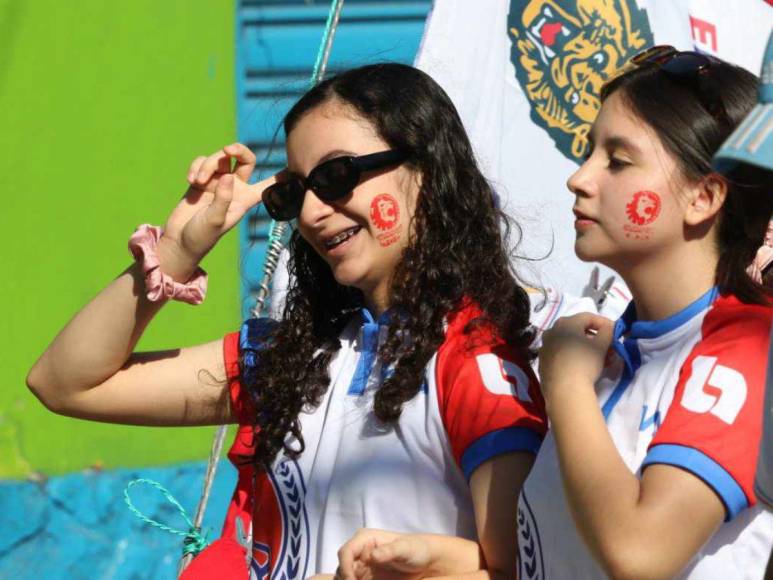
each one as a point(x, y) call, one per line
point(159, 286)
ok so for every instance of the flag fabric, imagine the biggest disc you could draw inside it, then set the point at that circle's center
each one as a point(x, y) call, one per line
point(525, 76)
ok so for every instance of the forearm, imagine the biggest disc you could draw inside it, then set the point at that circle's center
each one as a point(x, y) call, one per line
point(99, 339)
point(601, 491)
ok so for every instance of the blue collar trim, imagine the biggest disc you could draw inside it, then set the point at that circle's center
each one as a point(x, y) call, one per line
point(628, 324)
point(368, 349)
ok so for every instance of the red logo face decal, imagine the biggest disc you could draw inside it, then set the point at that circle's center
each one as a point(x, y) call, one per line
point(644, 208)
point(384, 211)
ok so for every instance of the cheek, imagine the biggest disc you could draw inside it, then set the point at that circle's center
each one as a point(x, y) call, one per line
point(642, 214)
point(386, 217)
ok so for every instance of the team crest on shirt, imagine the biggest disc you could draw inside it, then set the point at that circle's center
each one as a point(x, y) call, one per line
point(564, 51)
point(280, 547)
point(531, 562)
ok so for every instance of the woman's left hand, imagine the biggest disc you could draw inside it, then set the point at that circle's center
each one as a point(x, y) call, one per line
point(574, 351)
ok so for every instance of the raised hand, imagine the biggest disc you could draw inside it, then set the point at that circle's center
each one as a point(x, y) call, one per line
point(218, 196)
point(574, 351)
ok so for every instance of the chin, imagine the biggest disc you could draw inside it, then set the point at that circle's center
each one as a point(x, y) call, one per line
point(348, 277)
point(584, 253)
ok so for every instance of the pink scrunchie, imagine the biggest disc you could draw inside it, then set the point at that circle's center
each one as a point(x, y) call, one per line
point(158, 286)
point(764, 256)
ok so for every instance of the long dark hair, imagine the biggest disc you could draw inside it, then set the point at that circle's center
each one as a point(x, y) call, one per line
point(457, 252)
point(692, 134)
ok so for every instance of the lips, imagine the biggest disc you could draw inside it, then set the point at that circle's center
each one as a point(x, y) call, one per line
point(336, 240)
point(580, 216)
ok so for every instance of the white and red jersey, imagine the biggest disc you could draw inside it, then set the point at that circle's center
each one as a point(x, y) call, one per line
point(686, 391)
point(479, 400)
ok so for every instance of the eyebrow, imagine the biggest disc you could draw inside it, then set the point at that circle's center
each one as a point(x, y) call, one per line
point(620, 142)
point(326, 157)
point(333, 154)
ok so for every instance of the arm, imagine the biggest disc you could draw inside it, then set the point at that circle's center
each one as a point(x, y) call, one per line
point(90, 370)
point(495, 487)
point(635, 528)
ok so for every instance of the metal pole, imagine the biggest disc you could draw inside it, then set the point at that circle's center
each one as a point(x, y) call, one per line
point(272, 259)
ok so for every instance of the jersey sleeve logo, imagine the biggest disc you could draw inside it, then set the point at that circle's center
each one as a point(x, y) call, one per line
point(503, 377)
point(730, 384)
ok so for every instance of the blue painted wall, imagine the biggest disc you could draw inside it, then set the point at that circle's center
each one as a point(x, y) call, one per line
point(78, 526)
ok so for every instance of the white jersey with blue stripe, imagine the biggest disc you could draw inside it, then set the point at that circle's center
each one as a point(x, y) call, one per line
point(686, 391)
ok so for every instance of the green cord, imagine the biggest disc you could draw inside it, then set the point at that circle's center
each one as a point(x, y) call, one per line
point(193, 543)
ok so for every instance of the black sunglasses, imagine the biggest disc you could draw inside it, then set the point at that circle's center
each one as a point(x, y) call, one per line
point(689, 67)
point(331, 180)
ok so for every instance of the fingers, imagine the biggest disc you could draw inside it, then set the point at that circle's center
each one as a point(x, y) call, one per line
point(205, 171)
point(245, 160)
point(218, 162)
point(346, 557)
point(196, 164)
point(218, 210)
point(584, 323)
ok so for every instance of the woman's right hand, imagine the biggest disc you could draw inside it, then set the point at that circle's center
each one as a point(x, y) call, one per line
point(218, 196)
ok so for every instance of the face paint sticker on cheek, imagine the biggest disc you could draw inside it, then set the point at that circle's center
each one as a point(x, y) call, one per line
point(642, 211)
point(385, 215)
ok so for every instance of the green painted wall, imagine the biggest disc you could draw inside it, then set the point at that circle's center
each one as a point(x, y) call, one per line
point(102, 107)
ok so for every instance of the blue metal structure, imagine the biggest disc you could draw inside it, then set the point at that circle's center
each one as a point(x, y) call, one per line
point(277, 43)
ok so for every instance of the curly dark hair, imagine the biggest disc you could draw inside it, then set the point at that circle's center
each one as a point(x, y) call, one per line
point(457, 252)
point(681, 116)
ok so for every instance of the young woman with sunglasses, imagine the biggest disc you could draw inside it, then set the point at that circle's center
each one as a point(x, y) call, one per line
point(648, 467)
point(403, 316)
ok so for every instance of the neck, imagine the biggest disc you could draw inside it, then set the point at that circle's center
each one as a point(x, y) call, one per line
point(376, 301)
point(664, 284)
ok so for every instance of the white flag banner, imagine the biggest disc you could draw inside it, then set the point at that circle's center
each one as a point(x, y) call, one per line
point(525, 76)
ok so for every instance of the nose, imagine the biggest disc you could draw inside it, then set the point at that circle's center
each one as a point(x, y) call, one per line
point(580, 182)
point(314, 210)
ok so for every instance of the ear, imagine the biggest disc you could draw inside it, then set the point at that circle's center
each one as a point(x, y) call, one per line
point(707, 198)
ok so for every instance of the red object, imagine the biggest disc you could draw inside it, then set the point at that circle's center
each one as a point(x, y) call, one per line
point(224, 559)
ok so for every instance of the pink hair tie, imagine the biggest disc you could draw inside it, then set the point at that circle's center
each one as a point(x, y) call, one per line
point(159, 286)
point(764, 256)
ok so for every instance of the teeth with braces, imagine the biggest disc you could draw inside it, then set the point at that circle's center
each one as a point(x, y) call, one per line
point(344, 235)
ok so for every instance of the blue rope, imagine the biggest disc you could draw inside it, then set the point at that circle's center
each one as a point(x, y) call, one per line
point(193, 542)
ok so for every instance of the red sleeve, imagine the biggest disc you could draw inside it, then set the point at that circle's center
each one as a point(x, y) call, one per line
point(241, 404)
point(713, 426)
point(490, 401)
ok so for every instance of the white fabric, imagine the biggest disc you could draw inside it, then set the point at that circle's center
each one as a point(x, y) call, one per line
point(649, 418)
point(354, 472)
point(763, 484)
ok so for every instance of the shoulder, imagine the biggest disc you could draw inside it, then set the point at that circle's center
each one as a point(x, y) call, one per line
point(468, 332)
point(732, 329)
point(253, 336)
point(241, 351)
point(474, 358)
